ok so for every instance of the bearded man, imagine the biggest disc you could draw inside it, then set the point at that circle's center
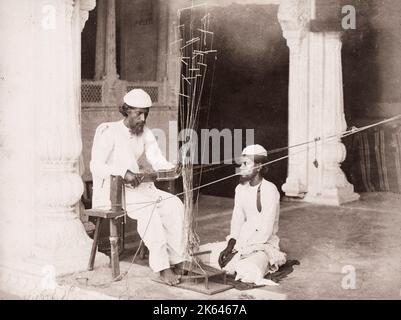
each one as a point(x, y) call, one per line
point(117, 147)
point(252, 249)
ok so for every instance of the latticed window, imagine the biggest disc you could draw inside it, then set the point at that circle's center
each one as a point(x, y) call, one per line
point(91, 93)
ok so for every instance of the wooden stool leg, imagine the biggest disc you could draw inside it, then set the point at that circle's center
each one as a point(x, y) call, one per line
point(115, 263)
point(94, 245)
point(207, 282)
point(142, 251)
point(121, 250)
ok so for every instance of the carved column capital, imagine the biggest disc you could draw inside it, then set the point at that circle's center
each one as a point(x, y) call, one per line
point(334, 40)
point(294, 15)
point(85, 6)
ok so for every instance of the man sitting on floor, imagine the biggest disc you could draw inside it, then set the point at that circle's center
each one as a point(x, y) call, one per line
point(252, 250)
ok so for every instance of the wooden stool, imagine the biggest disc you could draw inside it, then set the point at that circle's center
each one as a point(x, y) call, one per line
point(116, 211)
point(143, 250)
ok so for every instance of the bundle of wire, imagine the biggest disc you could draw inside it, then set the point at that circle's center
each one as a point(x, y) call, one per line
point(196, 47)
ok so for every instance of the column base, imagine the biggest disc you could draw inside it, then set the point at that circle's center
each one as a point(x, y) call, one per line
point(35, 284)
point(333, 197)
point(32, 278)
point(293, 189)
point(62, 243)
point(69, 262)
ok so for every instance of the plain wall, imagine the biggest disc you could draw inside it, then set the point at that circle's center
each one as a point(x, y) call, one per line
point(250, 85)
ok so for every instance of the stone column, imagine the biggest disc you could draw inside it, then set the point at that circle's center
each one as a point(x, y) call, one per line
point(163, 33)
point(327, 182)
point(293, 16)
point(106, 67)
point(316, 109)
point(110, 56)
point(17, 160)
point(60, 238)
point(41, 234)
point(113, 87)
point(173, 60)
point(100, 40)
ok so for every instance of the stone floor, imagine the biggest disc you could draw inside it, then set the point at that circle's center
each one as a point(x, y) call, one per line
point(331, 243)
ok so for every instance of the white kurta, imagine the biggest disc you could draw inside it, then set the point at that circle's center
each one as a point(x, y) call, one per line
point(115, 150)
point(255, 232)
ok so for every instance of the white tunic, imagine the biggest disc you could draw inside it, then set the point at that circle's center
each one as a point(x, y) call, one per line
point(251, 228)
point(255, 232)
point(115, 150)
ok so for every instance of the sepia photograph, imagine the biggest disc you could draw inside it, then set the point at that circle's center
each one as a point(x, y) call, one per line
point(217, 151)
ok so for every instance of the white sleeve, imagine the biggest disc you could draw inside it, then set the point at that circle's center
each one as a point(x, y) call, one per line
point(103, 144)
point(153, 152)
point(270, 201)
point(238, 217)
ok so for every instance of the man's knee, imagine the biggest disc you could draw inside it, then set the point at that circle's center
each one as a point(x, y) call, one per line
point(175, 200)
point(176, 204)
point(155, 245)
point(150, 228)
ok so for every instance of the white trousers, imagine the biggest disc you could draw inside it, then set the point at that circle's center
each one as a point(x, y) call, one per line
point(255, 264)
point(160, 225)
point(251, 268)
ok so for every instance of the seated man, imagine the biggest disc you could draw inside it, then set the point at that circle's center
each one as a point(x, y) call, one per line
point(253, 249)
point(117, 146)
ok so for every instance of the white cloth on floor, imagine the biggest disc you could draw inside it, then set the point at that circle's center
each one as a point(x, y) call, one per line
point(115, 150)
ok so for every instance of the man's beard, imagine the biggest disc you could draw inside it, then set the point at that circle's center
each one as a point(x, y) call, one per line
point(243, 180)
point(137, 129)
point(247, 178)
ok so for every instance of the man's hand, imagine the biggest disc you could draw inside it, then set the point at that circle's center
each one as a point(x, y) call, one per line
point(133, 179)
point(169, 174)
point(227, 254)
point(149, 175)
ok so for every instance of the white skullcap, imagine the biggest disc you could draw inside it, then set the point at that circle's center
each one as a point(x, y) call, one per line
point(138, 98)
point(253, 150)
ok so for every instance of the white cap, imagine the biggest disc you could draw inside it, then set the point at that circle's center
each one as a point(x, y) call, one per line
point(138, 98)
point(253, 150)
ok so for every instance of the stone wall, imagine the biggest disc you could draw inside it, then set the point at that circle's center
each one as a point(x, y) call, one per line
point(372, 61)
point(159, 119)
point(138, 47)
point(138, 31)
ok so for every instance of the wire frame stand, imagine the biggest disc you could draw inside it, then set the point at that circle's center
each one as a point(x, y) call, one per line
point(194, 41)
point(202, 278)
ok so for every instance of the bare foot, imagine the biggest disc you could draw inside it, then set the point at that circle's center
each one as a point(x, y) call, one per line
point(169, 277)
point(180, 268)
